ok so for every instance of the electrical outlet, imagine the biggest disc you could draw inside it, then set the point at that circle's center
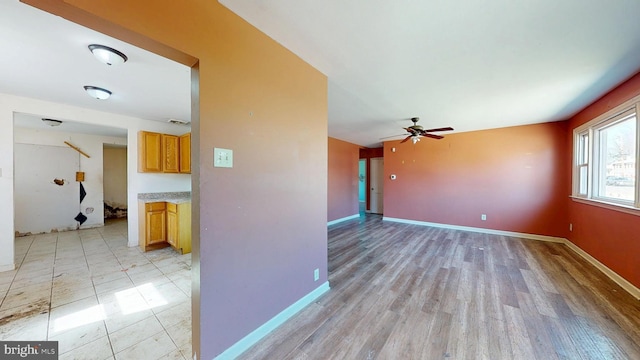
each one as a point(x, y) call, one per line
point(483, 217)
point(316, 274)
point(570, 227)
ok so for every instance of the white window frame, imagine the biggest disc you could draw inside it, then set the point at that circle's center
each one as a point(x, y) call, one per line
point(592, 160)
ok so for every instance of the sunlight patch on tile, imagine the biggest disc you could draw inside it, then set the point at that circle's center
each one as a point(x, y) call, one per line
point(79, 318)
point(130, 301)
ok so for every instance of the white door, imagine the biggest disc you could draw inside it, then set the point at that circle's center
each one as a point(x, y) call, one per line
point(377, 180)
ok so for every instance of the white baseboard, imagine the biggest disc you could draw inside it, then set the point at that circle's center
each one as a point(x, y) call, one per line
point(354, 216)
point(7, 267)
point(626, 285)
point(246, 342)
point(480, 230)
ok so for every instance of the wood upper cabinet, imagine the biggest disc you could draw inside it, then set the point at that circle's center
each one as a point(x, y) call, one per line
point(149, 152)
point(171, 153)
point(185, 153)
point(164, 153)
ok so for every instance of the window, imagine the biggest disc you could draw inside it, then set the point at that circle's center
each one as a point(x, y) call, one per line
point(605, 158)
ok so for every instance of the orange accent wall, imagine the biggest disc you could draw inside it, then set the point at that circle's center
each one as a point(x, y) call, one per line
point(262, 224)
point(343, 179)
point(610, 236)
point(516, 176)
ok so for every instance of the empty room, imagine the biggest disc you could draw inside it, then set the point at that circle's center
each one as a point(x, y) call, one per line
point(303, 180)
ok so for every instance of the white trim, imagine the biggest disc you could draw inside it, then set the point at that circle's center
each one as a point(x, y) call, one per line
point(594, 164)
point(626, 285)
point(611, 206)
point(480, 230)
point(7, 267)
point(246, 342)
point(332, 222)
point(609, 114)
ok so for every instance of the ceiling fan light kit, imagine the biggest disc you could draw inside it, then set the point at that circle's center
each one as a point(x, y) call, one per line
point(415, 131)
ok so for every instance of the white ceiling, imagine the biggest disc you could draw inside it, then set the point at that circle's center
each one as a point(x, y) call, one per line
point(46, 57)
point(467, 64)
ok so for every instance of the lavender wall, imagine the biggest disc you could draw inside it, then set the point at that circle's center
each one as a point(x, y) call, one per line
point(262, 224)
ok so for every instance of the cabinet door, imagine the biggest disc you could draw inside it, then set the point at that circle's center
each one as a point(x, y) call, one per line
point(185, 153)
point(156, 226)
point(172, 225)
point(149, 152)
point(171, 153)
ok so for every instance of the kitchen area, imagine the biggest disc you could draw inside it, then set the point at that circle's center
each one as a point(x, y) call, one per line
point(164, 218)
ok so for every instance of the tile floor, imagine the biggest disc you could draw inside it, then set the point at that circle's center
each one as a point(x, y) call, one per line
point(97, 297)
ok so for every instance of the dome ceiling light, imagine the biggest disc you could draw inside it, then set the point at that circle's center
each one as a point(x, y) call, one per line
point(51, 122)
point(97, 92)
point(107, 55)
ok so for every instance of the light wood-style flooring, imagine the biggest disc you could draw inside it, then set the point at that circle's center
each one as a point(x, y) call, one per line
point(402, 291)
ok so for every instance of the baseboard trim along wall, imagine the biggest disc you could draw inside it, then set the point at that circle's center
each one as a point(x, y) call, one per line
point(629, 287)
point(343, 219)
point(626, 285)
point(480, 230)
point(245, 343)
point(7, 267)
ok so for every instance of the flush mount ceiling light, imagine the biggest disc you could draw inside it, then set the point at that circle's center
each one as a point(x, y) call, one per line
point(97, 92)
point(51, 122)
point(107, 55)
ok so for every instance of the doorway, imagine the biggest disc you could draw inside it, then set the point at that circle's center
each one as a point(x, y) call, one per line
point(362, 185)
point(115, 181)
point(376, 183)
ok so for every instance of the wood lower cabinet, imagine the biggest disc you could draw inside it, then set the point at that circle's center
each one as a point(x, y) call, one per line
point(150, 156)
point(179, 227)
point(165, 224)
point(185, 153)
point(153, 230)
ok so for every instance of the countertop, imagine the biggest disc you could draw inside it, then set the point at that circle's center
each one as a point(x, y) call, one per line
point(172, 197)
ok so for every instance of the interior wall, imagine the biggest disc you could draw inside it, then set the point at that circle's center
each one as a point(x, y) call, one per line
point(609, 236)
point(516, 176)
point(6, 188)
point(47, 197)
point(343, 179)
point(115, 182)
point(91, 206)
point(263, 222)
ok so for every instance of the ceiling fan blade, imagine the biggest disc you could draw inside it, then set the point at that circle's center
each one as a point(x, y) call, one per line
point(433, 136)
point(407, 138)
point(439, 129)
point(387, 137)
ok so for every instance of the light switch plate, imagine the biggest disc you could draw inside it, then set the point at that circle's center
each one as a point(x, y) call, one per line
point(222, 158)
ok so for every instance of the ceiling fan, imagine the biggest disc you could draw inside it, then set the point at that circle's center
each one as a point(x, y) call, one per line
point(416, 131)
